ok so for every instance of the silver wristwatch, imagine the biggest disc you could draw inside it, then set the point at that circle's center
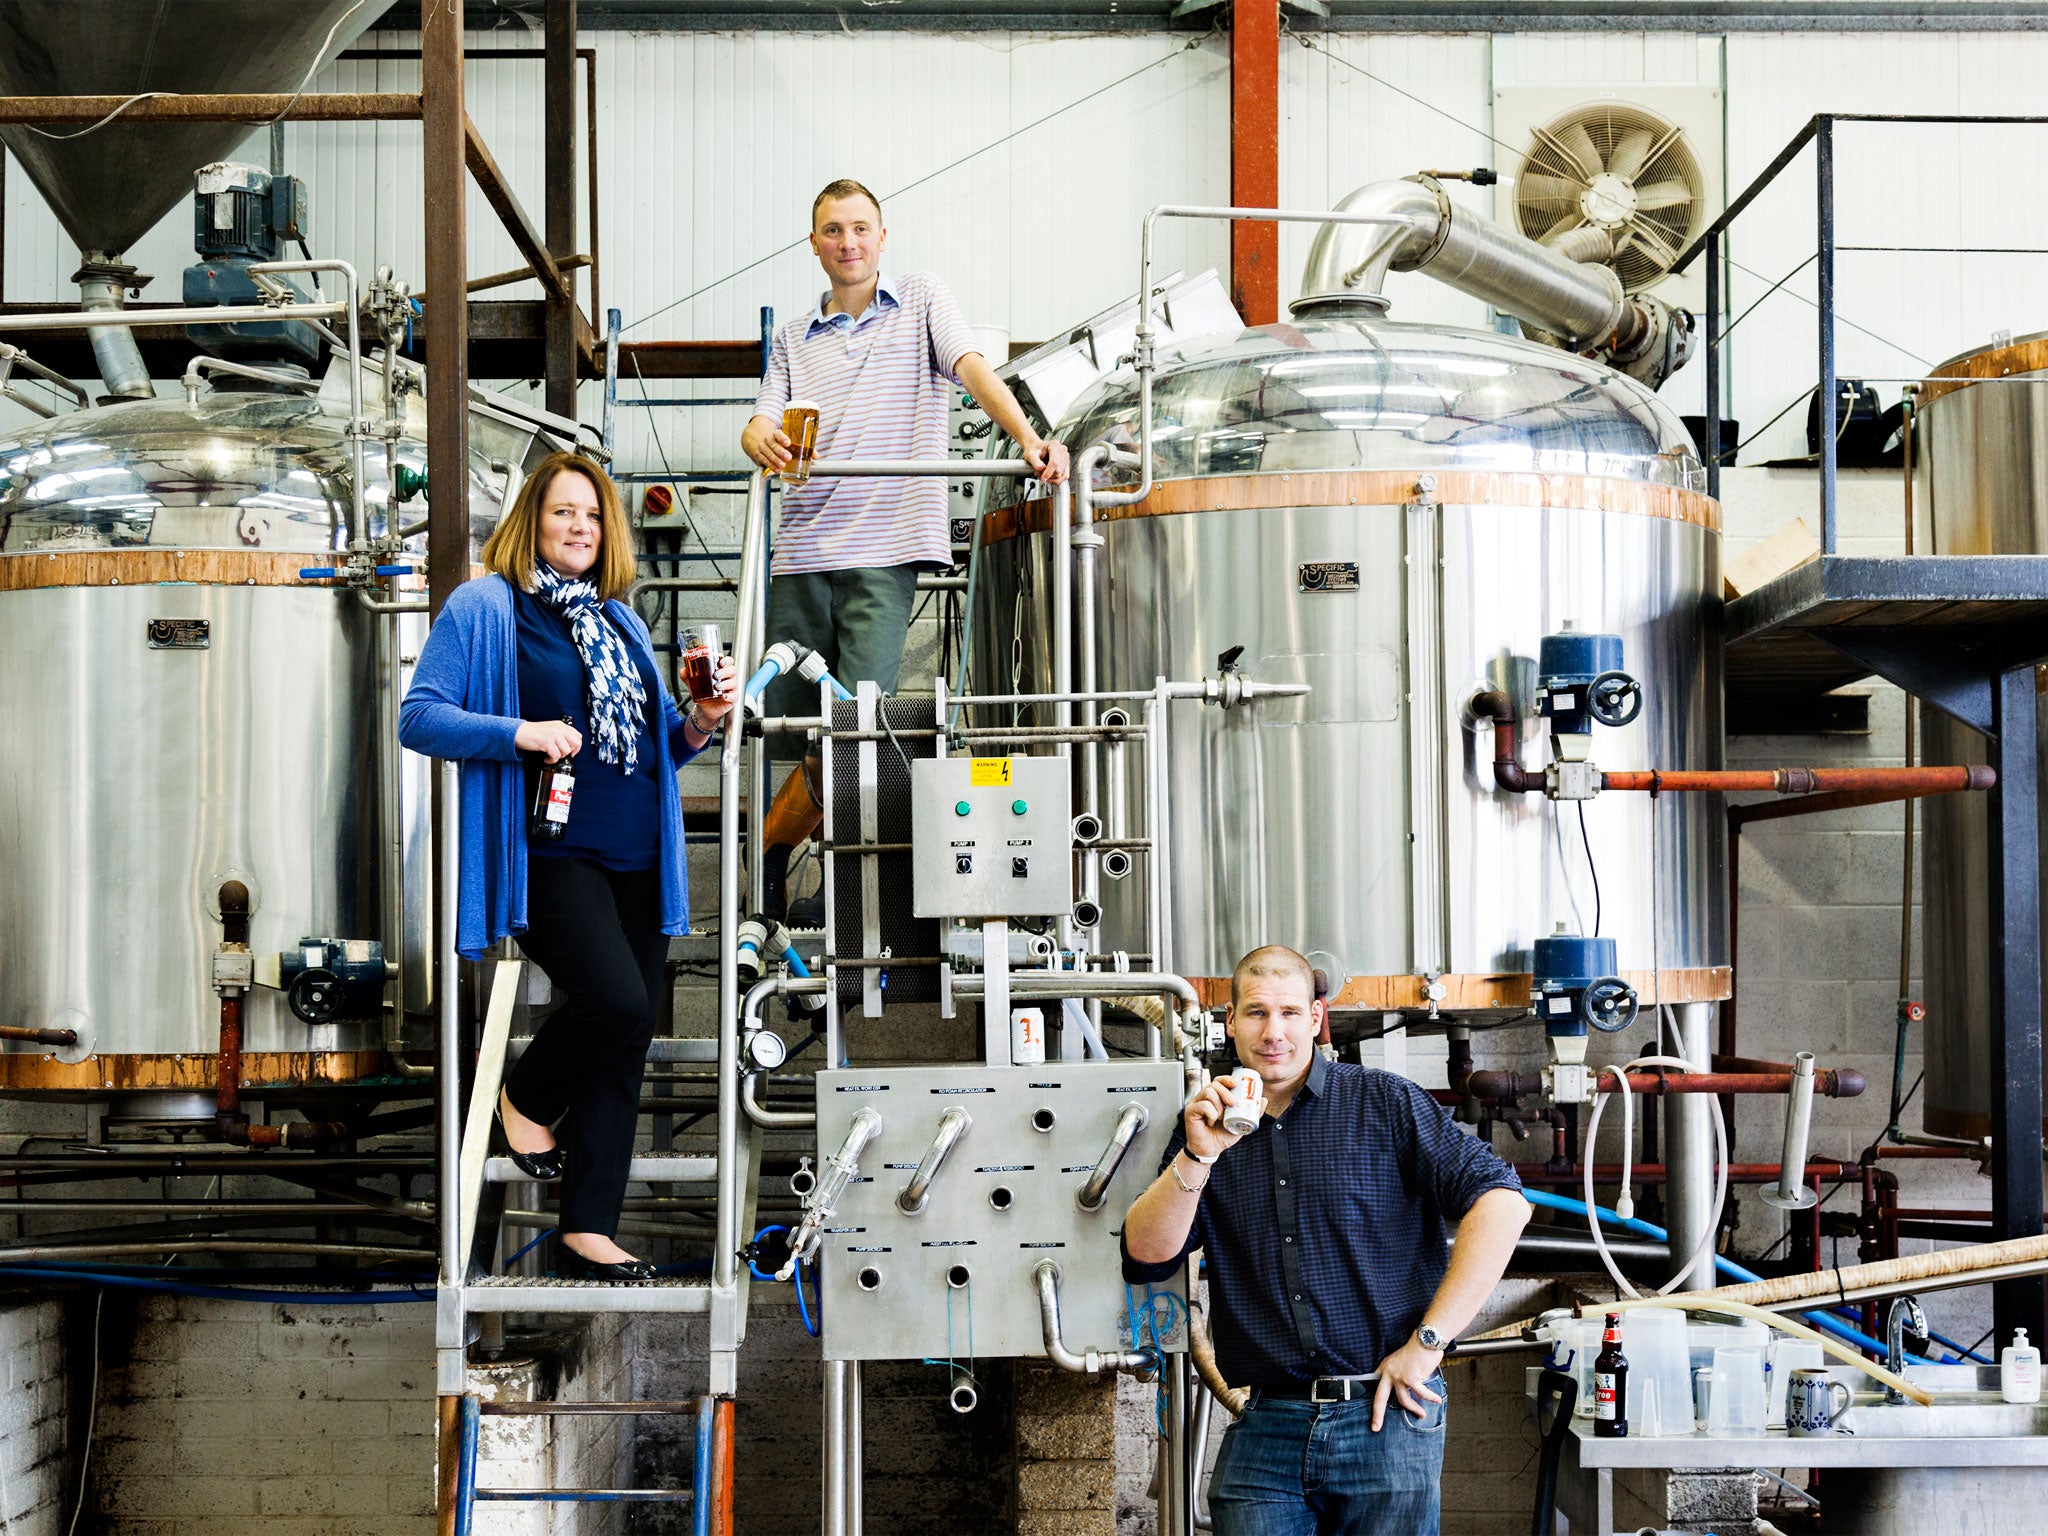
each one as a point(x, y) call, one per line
point(1429, 1338)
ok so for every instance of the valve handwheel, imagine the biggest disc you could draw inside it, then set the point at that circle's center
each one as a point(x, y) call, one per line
point(1609, 1005)
point(1615, 698)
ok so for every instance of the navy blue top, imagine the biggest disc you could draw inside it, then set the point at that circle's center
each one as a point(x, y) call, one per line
point(1324, 1231)
point(614, 817)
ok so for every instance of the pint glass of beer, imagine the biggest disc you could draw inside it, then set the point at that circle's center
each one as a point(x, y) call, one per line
point(800, 426)
point(700, 656)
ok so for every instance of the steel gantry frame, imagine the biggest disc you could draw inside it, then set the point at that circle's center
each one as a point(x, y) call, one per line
point(1963, 633)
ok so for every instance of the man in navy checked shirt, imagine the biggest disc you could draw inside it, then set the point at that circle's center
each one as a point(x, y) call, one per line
point(1331, 1280)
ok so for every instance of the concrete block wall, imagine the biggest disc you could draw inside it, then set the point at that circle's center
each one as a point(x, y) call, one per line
point(247, 1419)
point(41, 1413)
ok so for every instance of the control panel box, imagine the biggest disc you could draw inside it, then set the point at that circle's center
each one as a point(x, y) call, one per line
point(991, 837)
point(959, 1276)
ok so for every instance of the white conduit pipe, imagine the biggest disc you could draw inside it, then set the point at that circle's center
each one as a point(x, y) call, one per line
point(1624, 1204)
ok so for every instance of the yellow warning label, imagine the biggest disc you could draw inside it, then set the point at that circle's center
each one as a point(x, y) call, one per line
point(985, 771)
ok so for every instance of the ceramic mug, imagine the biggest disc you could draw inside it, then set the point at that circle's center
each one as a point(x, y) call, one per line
point(1810, 1403)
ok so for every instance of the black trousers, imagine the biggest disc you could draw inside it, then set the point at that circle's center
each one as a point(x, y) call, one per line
point(597, 934)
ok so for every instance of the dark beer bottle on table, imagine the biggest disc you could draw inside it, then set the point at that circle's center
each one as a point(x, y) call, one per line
point(554, 787)
point(1610, 1384)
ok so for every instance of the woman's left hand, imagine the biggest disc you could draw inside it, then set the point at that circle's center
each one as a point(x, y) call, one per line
point(708, 714)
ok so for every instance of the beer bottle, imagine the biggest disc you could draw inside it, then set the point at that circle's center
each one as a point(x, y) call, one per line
point(554, 786)
point(1610, 1384)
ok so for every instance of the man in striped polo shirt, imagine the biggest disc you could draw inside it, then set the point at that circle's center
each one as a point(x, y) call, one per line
point(879, 356)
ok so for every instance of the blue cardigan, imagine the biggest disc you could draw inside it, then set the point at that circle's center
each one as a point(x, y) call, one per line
point(464, 705)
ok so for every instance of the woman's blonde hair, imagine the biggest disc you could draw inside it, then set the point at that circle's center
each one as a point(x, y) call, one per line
point(514, 545)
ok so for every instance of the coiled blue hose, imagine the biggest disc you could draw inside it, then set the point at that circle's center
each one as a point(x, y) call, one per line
point(1826, 1322)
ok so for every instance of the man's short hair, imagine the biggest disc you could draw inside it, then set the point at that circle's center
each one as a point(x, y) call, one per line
point(1273, 960)
point(845, 186)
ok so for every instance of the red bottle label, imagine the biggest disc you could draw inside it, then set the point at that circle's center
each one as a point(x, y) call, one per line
point(559, 796)
point(1604, 1404)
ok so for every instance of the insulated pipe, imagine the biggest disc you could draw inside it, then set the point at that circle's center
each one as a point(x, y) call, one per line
point(1088, 1362)
point(953, 1124)
point(1422, 230)
point(1096, 1189)
point(1790, 1192)
point(113, 347)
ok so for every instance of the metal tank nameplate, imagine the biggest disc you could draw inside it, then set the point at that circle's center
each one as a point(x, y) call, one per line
point(179, 634)
point(1327, 576)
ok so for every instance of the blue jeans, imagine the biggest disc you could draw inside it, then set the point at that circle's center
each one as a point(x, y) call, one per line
point(1292, 1468)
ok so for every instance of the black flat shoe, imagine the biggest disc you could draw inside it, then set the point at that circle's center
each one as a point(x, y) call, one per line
point(545, 1166)
point(571, 1265)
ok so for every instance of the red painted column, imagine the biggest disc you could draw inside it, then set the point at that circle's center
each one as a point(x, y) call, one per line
point(1255, 156)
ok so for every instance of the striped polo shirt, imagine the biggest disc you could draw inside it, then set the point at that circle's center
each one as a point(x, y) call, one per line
point(881, 385)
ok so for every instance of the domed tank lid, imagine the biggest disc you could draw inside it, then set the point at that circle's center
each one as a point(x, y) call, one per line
point(1353, 391)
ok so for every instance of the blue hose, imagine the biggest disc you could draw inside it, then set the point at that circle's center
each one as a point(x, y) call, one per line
point(1821, 1320)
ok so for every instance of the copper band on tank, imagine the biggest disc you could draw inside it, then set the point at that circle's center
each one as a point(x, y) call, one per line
point(26, 1072)
point(1382, 488)
point(146, 567)
point(1488, 993)
point(2029, 356)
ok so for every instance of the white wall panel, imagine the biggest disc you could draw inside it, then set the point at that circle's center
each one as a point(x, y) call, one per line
point(712, 144)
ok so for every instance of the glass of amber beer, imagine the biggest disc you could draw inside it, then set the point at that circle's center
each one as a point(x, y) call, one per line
point(800, 426)
point(700, 656)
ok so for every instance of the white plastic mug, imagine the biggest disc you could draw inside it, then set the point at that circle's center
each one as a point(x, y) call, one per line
point(1242, 1118)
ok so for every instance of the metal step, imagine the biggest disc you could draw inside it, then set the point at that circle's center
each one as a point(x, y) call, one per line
point(659, 1169)
point(520, 1293)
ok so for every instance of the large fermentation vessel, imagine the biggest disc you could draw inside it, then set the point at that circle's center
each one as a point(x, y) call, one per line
point(1980, 488)
point(1397, 515)
point(187, 709)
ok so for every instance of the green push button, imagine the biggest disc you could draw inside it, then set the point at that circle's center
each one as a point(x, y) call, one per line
point(1019, 807)
point(962, 808)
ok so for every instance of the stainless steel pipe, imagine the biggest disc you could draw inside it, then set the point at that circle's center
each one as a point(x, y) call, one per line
point(1689, 1150)
point(1088, 1362)
point(953, 1124)
point(1096, 1188)
point(1790, 1193)
point(114, 350)
point(1424, 231)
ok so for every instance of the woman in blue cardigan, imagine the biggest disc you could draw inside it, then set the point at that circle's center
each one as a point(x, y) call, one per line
point(531, 663)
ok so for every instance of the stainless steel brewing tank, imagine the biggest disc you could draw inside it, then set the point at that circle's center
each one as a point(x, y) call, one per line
point(1396, 515)
point(151, 761)
point(1980, 488)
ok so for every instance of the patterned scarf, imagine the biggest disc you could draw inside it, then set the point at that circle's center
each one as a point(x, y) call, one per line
point(618, 699)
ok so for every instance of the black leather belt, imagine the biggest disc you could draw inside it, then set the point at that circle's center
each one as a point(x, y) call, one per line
point(1325, 1389)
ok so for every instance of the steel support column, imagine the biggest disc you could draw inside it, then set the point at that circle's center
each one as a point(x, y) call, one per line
point(2015, 864)
point(444, 152)
point(1255, 157)
point(558, 140)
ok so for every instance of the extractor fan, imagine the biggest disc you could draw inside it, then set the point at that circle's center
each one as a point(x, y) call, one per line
point(1613, 182)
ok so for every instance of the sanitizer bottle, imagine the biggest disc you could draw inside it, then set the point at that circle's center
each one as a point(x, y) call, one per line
point(2019, 1371)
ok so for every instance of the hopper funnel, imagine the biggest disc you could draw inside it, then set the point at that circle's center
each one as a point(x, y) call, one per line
point(109, 187)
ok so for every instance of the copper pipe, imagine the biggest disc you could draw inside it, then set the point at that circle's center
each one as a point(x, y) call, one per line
point(1835, 1082)
point(33, 1036)
point(447, 1462)
point(1508, 772)
point(230, 1120)
point(1804, 781)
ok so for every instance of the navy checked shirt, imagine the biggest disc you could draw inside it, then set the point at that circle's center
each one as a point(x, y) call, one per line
point(1324, 1231)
